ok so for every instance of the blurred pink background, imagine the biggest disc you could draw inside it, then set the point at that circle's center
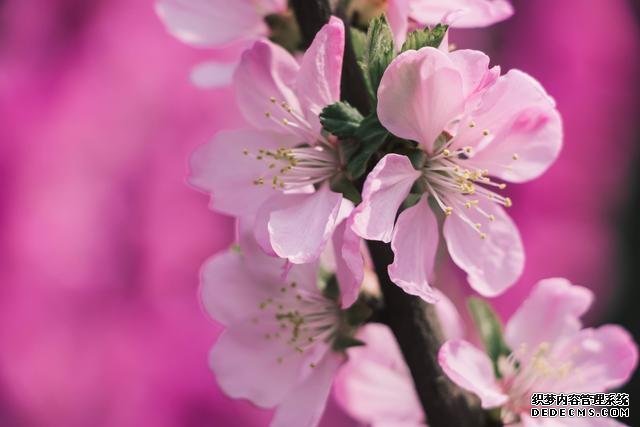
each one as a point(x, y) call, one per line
point(102, 240)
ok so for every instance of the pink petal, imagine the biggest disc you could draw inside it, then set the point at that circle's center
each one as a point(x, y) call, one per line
point(471, 369)
point(221, 168)
point(263, 81)
point(304, 405)
point(349, 262)
point(211, 23)
point(385, 188)
point(230, 291)
point(494, 263)
point(551, 311)
point(420, 93)
point(375, 385)
point(318, 83)
point(525, 129)
point(299, 226)
point(451, 322)
point(602, 359)
point(212, 74)
point(474, 69)
point(461, 13)
point(414, 244)
point(398, 18)
point(247, 365)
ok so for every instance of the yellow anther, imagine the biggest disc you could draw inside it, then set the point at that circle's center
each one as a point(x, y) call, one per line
point(468, 150)
point(267, 114)
point(283, 289)
point(515, 156)
point(272, 99)
point(285, 122)
point(446, 152)
point(245, 152)
point(485, 132)
point(492, 217)
point(502, 186)
point(467, 205)
point(483, 236)
point(507, 202)
point(448, 210)
point(258, 181)
point(478, 225)
point(312, 365)
point(472, 124)
point(294, 284)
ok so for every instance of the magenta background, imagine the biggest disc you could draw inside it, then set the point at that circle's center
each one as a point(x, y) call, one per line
point(101, 239)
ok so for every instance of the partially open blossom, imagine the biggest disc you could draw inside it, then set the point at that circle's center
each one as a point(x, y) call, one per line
point(551, 353)
point(404, 15)
point(278, 171)
point(375, 386)
point(216, 24)
point(281, 346)
point(474, 128)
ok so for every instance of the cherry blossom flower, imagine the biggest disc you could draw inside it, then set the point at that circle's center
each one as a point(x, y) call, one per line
point(278, 171)
point(551, 353)
point(405, 15)
point(470, 124)
point(281, 342)
point(374, 386)
point(216, 24)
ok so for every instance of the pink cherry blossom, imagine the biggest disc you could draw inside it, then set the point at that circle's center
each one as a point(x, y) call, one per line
point(471, 124)
point(277, 172)
point(278, 346)
point(374, 386)
point(551, 352)
point(216, 24)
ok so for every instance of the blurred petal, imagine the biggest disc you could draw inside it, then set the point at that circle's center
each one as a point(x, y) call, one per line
point(551, 311)
point(375, 386)
point(386, 187)
point(461, 13)
point(210, 22)
point(414, 244)
point(398, 17)
point(471, 369)
point(420, 93)
point(211, 74)
point(494, 263)
point(451, 322)
point(349, 262)
point(305, 404)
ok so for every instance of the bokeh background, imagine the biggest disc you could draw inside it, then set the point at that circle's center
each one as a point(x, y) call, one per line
point(101, 239)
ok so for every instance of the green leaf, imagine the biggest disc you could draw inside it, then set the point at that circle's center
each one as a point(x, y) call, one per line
point(490, 330)
point(379, 51)
point(340, 184)
point(358, 313)
point(371, 135)
point(358, 42)
point(331, 289)
point(340, 119)
point(427, 37)
point(343, 342)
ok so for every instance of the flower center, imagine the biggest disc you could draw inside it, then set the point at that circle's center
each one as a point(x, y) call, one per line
point(296, 168)
point(300, 320)
point(541, 373)
point(458, 187)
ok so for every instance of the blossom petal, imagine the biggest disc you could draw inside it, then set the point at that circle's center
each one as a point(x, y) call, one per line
point(451, 322)
point(398, 17)
point(601, 359)
point(551, 311)
point(305, 404)
point(212, 74)
point(229, 290)
point(461, 13)
point(299, 226)
point(414, 244)
point(474, 69)
point(349, 262)
point(524, 127)
point(420, 93)
point(385, 188)
point(318, 83)
point(250, 366)
point(210, 22)
point(472, 370)
point(263, 84)
point(375, 385)
point(494, 263)
point(221, 168)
